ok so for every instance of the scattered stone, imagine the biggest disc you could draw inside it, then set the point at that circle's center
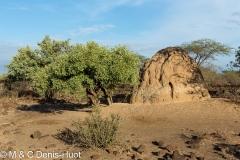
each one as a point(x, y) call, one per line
point(6, 132)
point(192, 159)
point(193, 155)
point(147, 158)
point(47, 135)
point(161, 153)
point(161, 143)
point(143, 149)
point(36, 134)
point(168, 157)
point(177, 156)
point(202, 158)
point(130, 155)
point(136, 156)
point(109, 150)
point(32, 147)
point(171, 148)
point(116, 152)
point(194, 143)
point(96, 156)
point(50, 146)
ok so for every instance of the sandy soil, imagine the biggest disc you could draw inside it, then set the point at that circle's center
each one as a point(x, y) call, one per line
point(210, 129)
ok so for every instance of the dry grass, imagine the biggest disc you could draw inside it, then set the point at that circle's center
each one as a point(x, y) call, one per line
point(96, 132)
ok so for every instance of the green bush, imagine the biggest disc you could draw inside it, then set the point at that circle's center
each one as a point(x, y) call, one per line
point(97, 132)
point(89, 70)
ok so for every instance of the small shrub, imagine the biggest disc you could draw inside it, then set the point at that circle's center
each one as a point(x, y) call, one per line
point(96, 132)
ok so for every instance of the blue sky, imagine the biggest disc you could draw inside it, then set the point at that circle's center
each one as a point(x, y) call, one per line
point(145, 25)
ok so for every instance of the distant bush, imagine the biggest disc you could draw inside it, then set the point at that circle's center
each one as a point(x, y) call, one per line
point(226, 78)
point(232, 77)
point(4, 91)
point(15, 89)
point(211, 77)
point(97, 132)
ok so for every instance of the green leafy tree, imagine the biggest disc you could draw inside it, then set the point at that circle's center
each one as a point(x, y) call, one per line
point(89, 70)
point(95, 70)
point(204, 51)
point(23, 65)
point(32, 65)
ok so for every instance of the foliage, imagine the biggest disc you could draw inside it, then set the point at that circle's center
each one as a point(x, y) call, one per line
point(237, 60)
point(32, 65)
point(90, 69)
point(96, 69)
point(23, 65)
point(3, 78)
point(98, 132)
point(204, 51)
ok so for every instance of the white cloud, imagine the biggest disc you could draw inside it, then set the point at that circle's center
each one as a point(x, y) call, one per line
point(15, 6)
point(90, 30)
point(184, 21)
point(189, 20)
point(236, 13)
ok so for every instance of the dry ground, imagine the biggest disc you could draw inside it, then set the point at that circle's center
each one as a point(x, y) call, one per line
point(216, 123)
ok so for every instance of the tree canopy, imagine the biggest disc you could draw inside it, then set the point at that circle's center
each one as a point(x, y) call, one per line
point(204, 51)
point(90, 70)
point(237, 60)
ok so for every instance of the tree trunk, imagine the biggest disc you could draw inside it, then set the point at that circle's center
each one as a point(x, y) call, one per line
point(93, 97)
point(49, 95)
point(109, 100)
point(107, 96)
point(94, 100)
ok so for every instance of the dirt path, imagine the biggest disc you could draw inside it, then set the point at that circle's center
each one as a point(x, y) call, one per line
point(215, 121)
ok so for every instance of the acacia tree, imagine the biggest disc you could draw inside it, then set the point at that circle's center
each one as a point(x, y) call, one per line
point(205, 51)
point(95, 70)
point(237, 60)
